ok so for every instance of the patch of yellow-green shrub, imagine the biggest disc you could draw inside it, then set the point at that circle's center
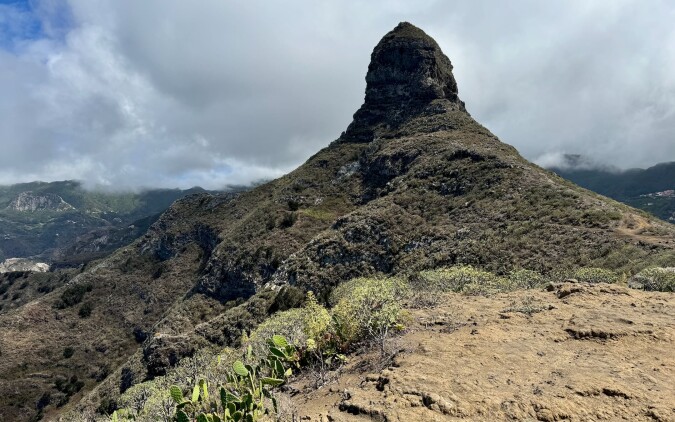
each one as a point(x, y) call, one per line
point(367, 307)
point(526, 279)
point(463, 279)
point(655, 279)
point(290, 324)
point(297, 325)
point(596, 275)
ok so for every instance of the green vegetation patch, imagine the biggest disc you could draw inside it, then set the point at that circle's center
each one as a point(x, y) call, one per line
point(73, 295)
point(658, 279)
point(596, 275)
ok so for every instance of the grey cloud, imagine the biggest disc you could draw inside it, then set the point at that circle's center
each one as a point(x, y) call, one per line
point(174, 93)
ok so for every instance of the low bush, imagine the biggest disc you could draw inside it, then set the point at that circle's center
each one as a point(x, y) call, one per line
point(288, 219)
point(290, 324)
point(310, 329)
point(658, 279)
point(528, 306)
point(85, 310)
point(73, 295)
point(367, 308)
point(596, 275)
point(68, 387)
point(463, 279)
point(526, 279)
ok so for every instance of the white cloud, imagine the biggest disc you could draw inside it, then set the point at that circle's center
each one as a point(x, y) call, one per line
point(174, 93)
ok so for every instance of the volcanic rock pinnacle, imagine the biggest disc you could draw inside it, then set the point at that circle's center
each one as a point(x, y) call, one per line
point(407, 72)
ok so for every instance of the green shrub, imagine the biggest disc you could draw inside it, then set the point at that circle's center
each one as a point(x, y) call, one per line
point(85, 310)
point(596, 275)
point(134, 400)
point(463, 279)
point(289, 324)
point(68, 387)
point(68, 352)
point(526, 279)
point(654, 279)
point(248, 393)
point(367, 308)
point(73, 295)
point(288, 219)
point(298, 325)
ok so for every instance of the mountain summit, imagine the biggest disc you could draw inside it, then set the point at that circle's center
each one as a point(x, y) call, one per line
point(415, 183)
point(408, 75)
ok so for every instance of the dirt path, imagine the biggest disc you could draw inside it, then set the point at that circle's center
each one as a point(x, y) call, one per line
point(587, 353)
point(642, 230)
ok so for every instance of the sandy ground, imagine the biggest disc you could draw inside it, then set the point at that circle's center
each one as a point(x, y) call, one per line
point(586, 353)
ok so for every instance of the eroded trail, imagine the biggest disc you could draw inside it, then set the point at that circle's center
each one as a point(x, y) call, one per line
point(578, 353)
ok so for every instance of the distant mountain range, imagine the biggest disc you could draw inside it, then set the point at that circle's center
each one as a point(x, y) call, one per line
point(650, 189)
point(63, 222)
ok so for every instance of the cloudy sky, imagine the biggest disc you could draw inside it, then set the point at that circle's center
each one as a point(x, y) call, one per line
point(175, 93)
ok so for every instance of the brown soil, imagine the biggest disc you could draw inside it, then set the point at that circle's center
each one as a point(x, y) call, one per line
point(586, 353)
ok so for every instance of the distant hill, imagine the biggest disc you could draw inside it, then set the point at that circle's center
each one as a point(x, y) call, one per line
point(62, 221)
point(649, 189)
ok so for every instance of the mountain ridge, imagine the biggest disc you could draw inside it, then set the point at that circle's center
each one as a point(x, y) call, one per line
point(405, 189)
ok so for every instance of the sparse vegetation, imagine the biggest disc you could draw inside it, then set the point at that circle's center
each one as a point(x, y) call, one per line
point(528, 306)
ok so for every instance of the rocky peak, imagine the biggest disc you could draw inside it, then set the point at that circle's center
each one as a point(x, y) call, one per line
point(407, 73)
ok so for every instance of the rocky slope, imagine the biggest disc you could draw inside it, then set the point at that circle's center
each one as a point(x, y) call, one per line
point(414, 183)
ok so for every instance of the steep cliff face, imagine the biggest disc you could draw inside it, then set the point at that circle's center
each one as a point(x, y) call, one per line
point(414, 183)
point(407, 72)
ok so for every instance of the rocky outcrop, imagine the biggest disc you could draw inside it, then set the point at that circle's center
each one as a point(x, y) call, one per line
point(30, 202)
point(23, 264)
point(407, 73)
